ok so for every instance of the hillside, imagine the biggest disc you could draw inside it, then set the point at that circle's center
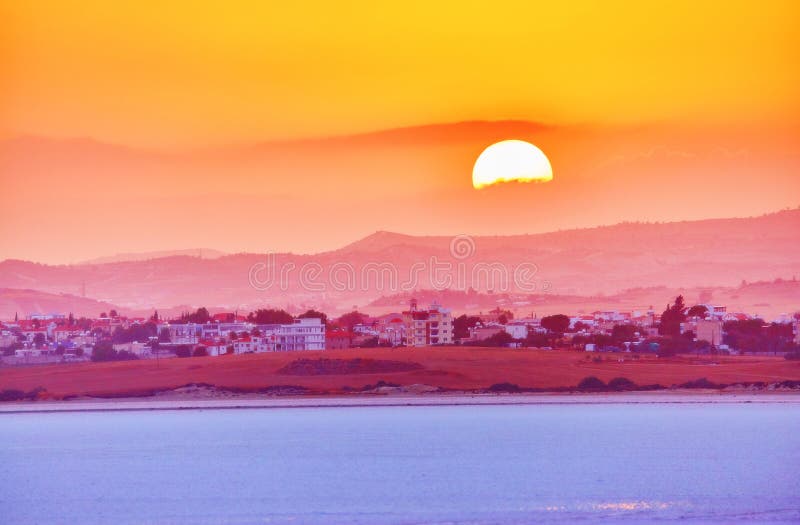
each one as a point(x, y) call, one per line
point(23, 302)
point(583, 262)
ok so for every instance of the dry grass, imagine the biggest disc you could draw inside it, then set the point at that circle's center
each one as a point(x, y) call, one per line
point(449, 368)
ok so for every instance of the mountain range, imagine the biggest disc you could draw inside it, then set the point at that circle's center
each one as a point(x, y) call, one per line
point(607, 260)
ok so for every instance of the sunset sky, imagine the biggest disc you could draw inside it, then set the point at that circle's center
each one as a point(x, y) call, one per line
point(676, 100)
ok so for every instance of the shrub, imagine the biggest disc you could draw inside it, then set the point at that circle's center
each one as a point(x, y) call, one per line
point(200, 351)
point(700, 383)
point(183, 351)
point(504, 387)
point(17, 395)
point(12, 395)
point(621, 383)
point(591, 383)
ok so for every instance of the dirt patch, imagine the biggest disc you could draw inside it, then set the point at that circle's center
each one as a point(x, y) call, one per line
point(314, 367)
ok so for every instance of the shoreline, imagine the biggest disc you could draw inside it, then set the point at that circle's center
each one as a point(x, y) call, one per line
point(418, 400)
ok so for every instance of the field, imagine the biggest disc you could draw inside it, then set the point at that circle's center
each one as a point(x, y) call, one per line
point(448, 368)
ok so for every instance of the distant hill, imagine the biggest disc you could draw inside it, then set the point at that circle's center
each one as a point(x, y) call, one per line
point(582, 262)
point(24, 302)
point(202, 253)
point(766, 299)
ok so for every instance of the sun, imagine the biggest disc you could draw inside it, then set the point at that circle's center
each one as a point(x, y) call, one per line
point(511, 160)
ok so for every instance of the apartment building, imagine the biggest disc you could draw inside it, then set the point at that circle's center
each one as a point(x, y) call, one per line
point(433, 326)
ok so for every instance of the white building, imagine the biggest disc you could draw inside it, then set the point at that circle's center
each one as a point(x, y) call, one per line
point(517, 329)
point(303, 334)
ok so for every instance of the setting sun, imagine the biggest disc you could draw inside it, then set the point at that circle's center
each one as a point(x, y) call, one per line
point(511, 160)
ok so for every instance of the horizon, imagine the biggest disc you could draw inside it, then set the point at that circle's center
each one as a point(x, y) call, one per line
point(100, 258)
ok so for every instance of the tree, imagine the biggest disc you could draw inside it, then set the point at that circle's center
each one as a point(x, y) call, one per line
point(104, 351)
point(698, 310)
point(39, 339)
point(501, 338)
point(462, 324)
point(752, 335)
point(270, 316)
point(163, 335)
point(557, 324)
point(370, 342)
point(672, 318)
point(311, 314)
point(200, 316)
point(135, 332)
point(623, 333)
point(580, 325)
point(537, 340)
point(349, 320)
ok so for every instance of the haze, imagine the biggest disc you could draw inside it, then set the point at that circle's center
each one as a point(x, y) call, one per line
point(138, 126)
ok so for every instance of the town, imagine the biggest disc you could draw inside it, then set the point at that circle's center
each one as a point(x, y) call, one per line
point(679, 328)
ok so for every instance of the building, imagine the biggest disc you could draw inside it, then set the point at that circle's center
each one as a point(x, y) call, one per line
point(302, 334)
point(433, 326)
point(392, 330)
point(709, 330)
point(136, 348)
point(482, 332)
point(517, 330)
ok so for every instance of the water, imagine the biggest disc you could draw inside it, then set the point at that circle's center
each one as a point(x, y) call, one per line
point(462, 464)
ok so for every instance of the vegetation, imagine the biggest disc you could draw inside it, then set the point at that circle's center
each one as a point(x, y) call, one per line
point(505, 387)
point(698, 310)
point(311, 314)
point(18, 395)
point(200, 316)
point(462, 324)
point(501, 338)
point(671, 319)
point(350, 320)
point(270, 316)
point(753, 335)
point(135, 332)
point(590, 384)
point(619, 384)
point(557, 324)
point(183, 351)
point(104, 351)
point(623, 333)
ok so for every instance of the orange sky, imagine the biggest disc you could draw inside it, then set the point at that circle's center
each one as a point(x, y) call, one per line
point(636, 95)
point(163, 73)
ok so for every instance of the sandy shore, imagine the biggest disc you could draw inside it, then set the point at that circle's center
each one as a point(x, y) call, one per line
point(366, 400)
